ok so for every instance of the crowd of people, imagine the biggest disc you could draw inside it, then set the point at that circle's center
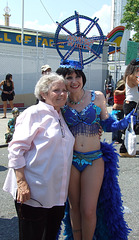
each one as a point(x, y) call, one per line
point(59, 165)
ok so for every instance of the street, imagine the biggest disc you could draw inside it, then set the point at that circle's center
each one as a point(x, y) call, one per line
point(129, 183)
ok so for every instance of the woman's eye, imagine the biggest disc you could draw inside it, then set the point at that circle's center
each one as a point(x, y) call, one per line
point(68, 78)
point(78, 76)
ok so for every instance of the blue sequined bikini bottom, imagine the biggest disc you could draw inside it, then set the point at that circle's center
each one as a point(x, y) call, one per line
point(82, 160)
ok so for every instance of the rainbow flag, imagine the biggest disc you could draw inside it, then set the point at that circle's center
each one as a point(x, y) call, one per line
point(115, 36)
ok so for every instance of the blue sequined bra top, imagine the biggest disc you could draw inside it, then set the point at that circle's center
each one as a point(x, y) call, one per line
point(86, 122)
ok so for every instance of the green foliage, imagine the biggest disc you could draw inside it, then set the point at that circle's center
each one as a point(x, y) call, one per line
point(131, 17)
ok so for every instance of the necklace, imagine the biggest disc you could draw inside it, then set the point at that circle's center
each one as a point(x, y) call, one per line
point(72, 102)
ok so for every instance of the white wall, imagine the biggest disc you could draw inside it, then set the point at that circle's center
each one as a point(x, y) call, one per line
point(26, 71)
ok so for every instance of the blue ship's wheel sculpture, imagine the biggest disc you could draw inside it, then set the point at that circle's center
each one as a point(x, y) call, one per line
point(80, 40)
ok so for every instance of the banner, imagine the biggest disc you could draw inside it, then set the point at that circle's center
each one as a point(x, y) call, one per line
point(132, 51)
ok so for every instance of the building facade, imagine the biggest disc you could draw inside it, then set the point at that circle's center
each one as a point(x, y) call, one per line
point(24, 61)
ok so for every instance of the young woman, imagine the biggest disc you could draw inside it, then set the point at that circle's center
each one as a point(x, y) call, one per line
point(7, 95)
point(93, 180)
point(132, 94)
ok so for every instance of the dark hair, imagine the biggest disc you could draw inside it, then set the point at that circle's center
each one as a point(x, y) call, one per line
point(121, 87)
point(131, 68)
point(135, 62)
point(8, 76)
point(68, 71)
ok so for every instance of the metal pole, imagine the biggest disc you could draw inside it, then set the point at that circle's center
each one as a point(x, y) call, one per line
point(22, 46)
point(37, 56)
point(115, 73)
point(43, 53)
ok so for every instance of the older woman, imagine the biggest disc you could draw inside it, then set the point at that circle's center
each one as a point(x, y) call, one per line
point(40, 156)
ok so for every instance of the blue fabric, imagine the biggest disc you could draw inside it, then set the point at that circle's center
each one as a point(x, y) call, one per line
point(86, 122)
point(110, 217)
point(71, 64)
point(11, 124)
point(82, 160)
point(117, 135)
point(110, 125)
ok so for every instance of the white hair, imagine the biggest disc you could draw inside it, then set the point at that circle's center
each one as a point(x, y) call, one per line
point(45, 83)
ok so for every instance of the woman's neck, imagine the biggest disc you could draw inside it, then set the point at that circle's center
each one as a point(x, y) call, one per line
point(76, 98)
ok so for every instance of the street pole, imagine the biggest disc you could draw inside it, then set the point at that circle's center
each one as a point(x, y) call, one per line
point(22, 46)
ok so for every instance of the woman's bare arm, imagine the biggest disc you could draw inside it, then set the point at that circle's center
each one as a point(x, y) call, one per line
point(23, 191)
point(100, 101)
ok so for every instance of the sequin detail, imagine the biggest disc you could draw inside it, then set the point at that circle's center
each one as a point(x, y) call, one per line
point(86, 122)
point(81, 160)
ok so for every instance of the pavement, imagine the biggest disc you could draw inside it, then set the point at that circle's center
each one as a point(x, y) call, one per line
point(128, 180)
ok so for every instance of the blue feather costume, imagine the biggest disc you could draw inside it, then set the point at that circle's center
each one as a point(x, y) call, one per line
point(110, 217)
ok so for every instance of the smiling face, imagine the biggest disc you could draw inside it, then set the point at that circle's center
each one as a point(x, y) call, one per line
point(57, 95)
point(74, 82)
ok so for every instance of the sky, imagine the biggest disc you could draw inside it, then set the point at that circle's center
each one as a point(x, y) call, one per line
point(43, 14)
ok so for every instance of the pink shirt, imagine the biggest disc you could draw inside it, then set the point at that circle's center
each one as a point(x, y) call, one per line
point(39, 145)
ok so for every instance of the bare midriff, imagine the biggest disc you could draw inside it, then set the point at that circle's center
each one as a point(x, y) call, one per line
point(85, 143)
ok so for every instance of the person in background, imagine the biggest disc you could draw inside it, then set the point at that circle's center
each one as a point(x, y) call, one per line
point(119, 97)
point(94, 194)
point(132, 94)
point(109, 90)
point(40, 157)
point(11, 125)
point(7, 88)
point(46, 69)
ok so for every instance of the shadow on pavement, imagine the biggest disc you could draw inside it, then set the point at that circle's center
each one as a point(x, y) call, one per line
point(9, 228)
point(2, 168)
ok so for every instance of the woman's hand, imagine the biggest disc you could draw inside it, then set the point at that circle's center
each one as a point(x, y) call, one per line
point(6, 92)
point(23, 191)
point(100, 132)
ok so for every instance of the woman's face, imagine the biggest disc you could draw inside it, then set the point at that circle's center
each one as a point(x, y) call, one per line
point(74, 82)
point(57, 95)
